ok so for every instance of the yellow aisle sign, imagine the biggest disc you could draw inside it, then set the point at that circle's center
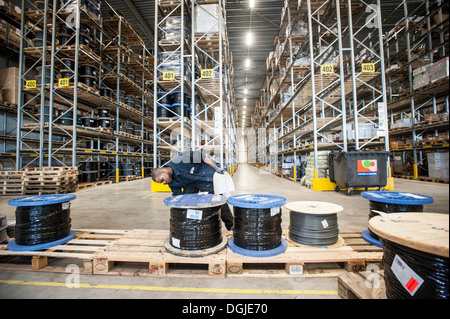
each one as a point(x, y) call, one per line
point(326, 69)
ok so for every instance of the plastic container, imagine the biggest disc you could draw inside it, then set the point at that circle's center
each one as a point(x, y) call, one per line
point(358, 170)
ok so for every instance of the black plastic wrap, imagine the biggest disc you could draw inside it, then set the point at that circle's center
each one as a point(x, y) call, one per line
point(256, 229)
point(42, 224)
point(431, 268)
point(311, 230)
point(195, 234)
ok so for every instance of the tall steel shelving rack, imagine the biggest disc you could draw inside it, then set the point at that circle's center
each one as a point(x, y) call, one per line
point(419, 39)
point(202, 79)
point(66, 145)
point(328, 90)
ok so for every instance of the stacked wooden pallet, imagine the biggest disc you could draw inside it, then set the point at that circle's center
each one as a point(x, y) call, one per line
point(11, 183)
point(50, 180)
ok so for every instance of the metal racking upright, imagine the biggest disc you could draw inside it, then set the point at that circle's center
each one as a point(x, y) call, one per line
point(78, 35)
point(324, 75)
point(193, 65)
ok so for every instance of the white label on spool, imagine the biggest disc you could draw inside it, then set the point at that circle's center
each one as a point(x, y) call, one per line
point(194, 214)
point(175, 242)
point(406, 276)
point(274, 211)
point(65, 205)
point(325, 224)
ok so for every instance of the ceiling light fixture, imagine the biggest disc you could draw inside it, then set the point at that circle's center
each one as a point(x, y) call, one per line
point(252, 4)
point(247, 63)
point(245, 91)
point(249, 38)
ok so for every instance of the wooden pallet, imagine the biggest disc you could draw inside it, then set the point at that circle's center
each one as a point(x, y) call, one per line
point(94, 184)
point(363, 285)
point(141, 252)
point(79, 251)
point(354, 254)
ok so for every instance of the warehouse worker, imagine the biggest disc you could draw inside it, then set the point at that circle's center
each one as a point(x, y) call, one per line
point(189, 173)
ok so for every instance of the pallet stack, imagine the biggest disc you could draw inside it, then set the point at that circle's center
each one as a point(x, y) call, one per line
point(50, 180)
point(11, 183)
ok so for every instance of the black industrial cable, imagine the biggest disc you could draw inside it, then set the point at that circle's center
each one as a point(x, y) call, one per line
point(256, 229)
point(389, 209)
point(42, 224)
point(313, 230)
point(433, 269)
point(195, 234)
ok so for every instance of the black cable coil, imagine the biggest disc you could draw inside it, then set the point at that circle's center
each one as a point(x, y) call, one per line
point(433, 269)
point(389, 209)
point(256, 229)
point(195, 234)
point(310, 230)
point(42, 224)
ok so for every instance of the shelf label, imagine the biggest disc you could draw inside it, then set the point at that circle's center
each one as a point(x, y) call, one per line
point(63, 82)
point(368, 67)
point(207, 73)
point(30, 84)
point(326, 69)
point(169, 76)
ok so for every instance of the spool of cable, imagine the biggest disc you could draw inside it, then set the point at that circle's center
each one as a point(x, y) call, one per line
point(314, 223)
point(195, 225)
point(257, 225)
point(41, 222)
point(415, 254)
point(391, 202)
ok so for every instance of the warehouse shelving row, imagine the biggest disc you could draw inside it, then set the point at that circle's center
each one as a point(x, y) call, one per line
point(325, 86)
point(193, 81)
point(90, 79)
point(417, 51)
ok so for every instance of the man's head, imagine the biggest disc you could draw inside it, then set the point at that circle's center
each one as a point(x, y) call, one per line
point(162, 175)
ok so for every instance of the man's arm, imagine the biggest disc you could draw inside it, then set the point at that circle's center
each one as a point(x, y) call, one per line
point(208, 161)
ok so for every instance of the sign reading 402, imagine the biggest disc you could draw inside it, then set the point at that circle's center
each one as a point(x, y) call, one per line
point(207, 73)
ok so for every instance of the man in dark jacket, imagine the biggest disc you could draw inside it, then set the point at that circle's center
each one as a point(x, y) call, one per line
point(190, 173)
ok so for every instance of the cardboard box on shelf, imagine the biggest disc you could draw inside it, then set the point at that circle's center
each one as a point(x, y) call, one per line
point(439, 70)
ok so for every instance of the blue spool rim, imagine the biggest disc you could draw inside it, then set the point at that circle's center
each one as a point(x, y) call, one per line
point(41, 200)
point(195, 201)
point(258, 253)
point(400, 198)
point(366, 236)
point(257, 201)
point(179, 104)
point(12, 246)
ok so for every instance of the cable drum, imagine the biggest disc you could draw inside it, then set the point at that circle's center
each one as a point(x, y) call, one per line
point(257, 228)
point(415, 254)
point(195, 229)
point(314, 223)
point(393, 202)
point(195, 225)
point(41, 222)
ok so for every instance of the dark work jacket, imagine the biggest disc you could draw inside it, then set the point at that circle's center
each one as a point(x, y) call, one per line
point(189, 169)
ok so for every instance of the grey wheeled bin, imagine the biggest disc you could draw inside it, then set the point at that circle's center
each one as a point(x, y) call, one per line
point(358, 170)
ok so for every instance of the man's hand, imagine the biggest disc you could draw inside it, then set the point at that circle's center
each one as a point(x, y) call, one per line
point(218, 170)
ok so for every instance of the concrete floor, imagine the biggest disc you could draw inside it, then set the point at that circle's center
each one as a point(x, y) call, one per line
point(131, 205)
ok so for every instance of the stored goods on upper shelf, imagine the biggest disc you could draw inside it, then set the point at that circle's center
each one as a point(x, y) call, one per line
point(439, 70)
point(207, 19)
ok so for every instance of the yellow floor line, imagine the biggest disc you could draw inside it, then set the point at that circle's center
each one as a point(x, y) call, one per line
point(178, 289)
